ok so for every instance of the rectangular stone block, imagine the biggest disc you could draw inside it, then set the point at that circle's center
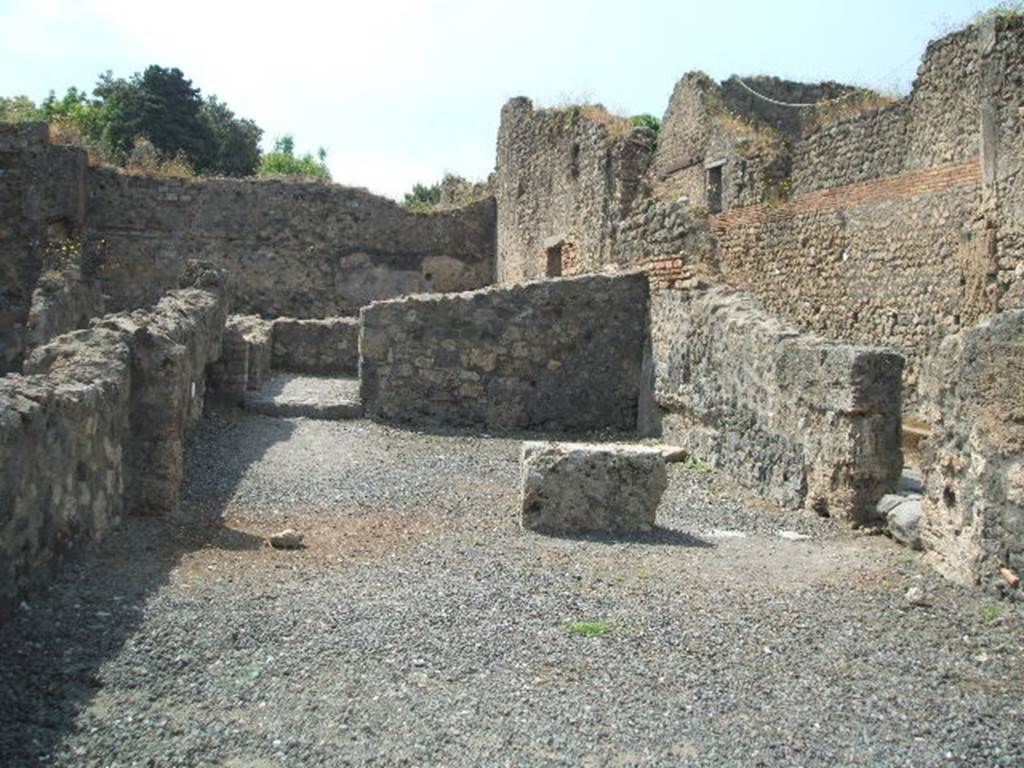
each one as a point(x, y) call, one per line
point(584, 487)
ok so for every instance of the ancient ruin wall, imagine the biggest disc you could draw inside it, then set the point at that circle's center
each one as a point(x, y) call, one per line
point(61, 469)
point(936, 125)
point(560, 355)
point(802, 421)
point(42, 207)
point(563, 176)
point(328, 346)
point(291, 248)
point(973, 465)
point(893, 236)
point(95, 429)
point(1002, 148)
point(886, 262)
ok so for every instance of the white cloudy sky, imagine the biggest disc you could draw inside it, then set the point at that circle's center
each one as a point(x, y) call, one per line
point(401, 91)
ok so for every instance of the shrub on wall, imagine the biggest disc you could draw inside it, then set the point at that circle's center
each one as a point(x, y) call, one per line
point(283, 162)
point(423, 198)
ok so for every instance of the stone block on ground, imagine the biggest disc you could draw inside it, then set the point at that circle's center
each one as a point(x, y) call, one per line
point(589, 487)
point(904, 521)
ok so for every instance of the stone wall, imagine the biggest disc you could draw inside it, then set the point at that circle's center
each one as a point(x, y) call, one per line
point(973, 465)
point(61, 472)
point(172, 344)
point(803, 421)
point(1002, 149)
point(884, 262)
point(42, 207)
point(560, 356)
point(564, 178)
point(62, 301)
point(298, 249)
point(95, 428)
point(328, 346)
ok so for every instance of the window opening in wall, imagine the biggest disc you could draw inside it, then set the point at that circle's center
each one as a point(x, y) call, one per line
point(714, 190)
point(553, 267)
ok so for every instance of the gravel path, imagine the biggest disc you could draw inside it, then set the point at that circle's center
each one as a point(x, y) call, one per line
point(421, 627)
point(302, 386)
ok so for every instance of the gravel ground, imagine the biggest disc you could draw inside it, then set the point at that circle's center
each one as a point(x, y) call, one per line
point(421, 626)
point(302, 386)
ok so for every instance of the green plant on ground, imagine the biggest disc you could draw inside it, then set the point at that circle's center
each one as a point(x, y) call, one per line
point(695, 464)
point(991, 612)
point(590, 628)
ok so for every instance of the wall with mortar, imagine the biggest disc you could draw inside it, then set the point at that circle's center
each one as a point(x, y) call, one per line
point(563, 175)
point(973, 465)
point(42, 206)
point(803, 421)
point(328, 346)
point(886, 239)
point(885, 262)
point(1002, 148)
point(560, 355)
point(291, 248)
point(95, 429)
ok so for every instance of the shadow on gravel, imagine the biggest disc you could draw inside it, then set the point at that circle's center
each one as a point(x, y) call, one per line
point(657, 537)
point(53, 650)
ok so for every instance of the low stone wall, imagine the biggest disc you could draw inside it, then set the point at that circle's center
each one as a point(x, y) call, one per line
point(559, 355)
point(245, 358)
point(329, 346)
point(61, 470)
point(172, 344)
point(973, 508)
point(803, 421)
point(96, 428)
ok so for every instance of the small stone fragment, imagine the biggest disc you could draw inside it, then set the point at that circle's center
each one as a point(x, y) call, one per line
point(904, 522)
point(916, 596)
point(793, 536)
point(286, 539)
point(1011, 577)
point(673, 454)
point(888, 502)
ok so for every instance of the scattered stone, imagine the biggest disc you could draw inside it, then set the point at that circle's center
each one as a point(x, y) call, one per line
point(904, 522)
point(590, 487)
point(1011, 577)
point(286, 539)
point(793, 536)
point(888, 502)
point(674, 454)
point(869, 530)
point(916, 596)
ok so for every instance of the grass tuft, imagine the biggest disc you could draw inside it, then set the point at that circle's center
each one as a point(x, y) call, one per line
point(590, 628)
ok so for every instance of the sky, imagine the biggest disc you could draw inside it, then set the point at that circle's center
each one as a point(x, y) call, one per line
point(400, 92)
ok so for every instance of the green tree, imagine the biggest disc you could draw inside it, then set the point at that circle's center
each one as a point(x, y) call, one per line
point(282, 162)
point(76, 109)
point(423, 198)
point(233, 147)
point(18, 109)
point(647, 121)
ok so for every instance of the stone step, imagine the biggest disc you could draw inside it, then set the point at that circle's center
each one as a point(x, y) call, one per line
point(287, 395)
